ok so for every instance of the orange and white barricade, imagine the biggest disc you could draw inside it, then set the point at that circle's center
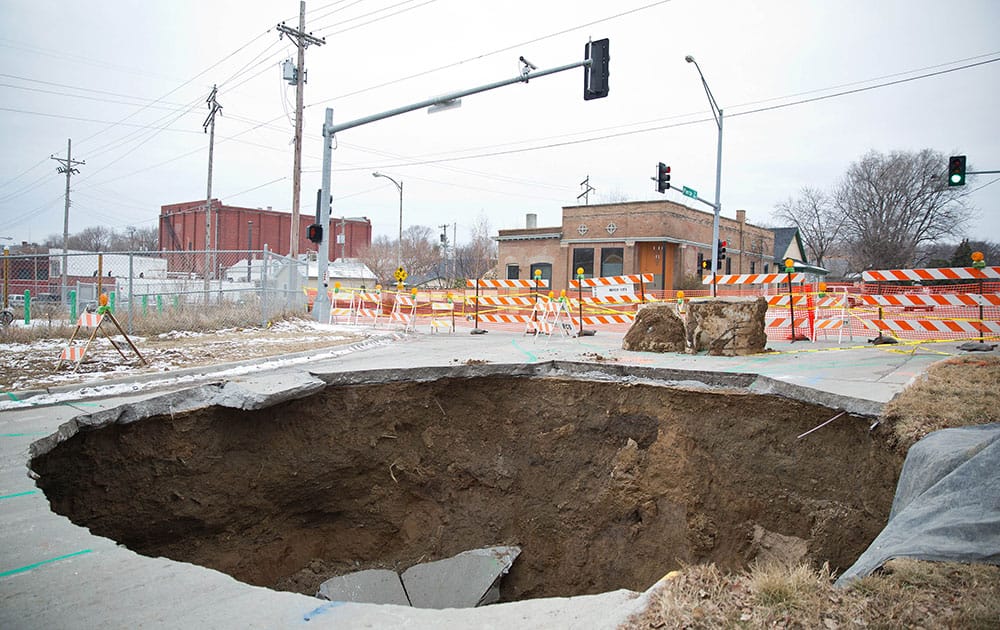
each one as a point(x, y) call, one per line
point(443, 316)
point(87, 319)
point(368, 308)
point(404, 311)
point(341, 307)
point(949, 312)
point(754, 278)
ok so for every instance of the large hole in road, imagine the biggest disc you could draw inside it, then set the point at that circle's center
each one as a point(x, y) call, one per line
point(603, 484)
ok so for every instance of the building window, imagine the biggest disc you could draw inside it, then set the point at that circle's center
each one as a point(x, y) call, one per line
point(513, 272)
point(612, 261)
point(729, 265)
point(753, 266)
point(584, 257)
point(545, 268)
point(765, 267)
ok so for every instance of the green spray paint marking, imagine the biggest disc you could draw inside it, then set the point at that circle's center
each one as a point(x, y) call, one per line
point(29, 567)
point(12, 396)
point(531, 358)
point(18, 494)
point(22, 434)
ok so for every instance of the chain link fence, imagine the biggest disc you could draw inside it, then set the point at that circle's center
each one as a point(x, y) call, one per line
point(153, 292)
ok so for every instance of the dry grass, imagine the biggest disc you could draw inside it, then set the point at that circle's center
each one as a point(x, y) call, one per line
point(957, 392)
point(905, 594)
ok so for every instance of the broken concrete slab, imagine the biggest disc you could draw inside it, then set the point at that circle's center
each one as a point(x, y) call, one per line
point(464, 581)
point(374, 586)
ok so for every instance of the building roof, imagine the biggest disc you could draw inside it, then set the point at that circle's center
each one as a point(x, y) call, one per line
point(783, 241)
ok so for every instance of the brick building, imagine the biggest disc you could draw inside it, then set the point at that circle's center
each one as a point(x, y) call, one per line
point(182, 228)
point(663, 238)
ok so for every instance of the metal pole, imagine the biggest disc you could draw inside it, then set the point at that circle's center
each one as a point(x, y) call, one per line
point(69, 171)
point(249, 249)
point(399, 244)
point(322, 303)
point(718, 209)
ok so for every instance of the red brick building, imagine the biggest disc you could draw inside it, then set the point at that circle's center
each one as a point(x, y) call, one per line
point(182, 228)
point(663, 238)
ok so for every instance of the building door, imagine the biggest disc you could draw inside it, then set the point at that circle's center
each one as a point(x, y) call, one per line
point(657, 259)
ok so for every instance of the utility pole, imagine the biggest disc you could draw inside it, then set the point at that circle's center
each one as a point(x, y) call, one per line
point(444, 247)
point(587, 190)
point(209, 127)
point(301, 39)
point(66, 166)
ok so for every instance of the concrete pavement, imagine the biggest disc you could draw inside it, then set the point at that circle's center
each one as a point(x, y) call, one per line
point(54, 574)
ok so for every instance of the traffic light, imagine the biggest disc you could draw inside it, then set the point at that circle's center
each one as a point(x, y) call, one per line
point(956, 170)
point(722, 249)
point(315, 233)
point(662, 177)
point(595, 76)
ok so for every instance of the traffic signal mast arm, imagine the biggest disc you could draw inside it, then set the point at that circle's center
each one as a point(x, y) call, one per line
point(453, 96)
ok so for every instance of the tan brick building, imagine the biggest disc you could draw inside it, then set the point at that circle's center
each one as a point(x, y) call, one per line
point(663, 238)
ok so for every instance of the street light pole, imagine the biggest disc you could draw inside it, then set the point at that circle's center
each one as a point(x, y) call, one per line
point(717, 114)
point(399, 243)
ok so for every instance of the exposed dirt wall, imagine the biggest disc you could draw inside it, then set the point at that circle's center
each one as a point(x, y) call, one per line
point(604, 485)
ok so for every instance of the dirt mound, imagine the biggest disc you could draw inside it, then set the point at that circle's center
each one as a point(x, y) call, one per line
point(604, 485)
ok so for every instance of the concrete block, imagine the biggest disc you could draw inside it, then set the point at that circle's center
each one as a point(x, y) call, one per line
point(374, 586)
point(469, 579)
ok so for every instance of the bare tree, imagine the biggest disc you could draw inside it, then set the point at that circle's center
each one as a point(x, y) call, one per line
point(133, 239)
point(893, 204)
point(421, 251)
point(91, 239)
point(380, 257)
point(479, 256)
point(819, 225)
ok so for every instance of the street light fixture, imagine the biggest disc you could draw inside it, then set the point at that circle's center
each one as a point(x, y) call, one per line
point(717, 114)
point(399, 243)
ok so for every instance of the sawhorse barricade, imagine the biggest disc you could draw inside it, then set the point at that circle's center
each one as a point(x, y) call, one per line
point(95, 321)
point(368, 308)
point(481, 283)
point(404, 311)
point(443, 316)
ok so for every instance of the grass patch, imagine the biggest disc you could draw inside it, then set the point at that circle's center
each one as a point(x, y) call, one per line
point(957, 392)
point(905, 593)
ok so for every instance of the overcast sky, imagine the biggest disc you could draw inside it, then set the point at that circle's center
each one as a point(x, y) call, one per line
point(127, 81)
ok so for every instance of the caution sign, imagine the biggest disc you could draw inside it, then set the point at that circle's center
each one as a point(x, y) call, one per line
point(400, 274)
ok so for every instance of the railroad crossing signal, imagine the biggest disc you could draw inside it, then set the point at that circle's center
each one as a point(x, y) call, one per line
point(956, 170)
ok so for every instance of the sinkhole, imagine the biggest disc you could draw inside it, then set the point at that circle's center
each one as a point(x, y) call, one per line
point(606, 477)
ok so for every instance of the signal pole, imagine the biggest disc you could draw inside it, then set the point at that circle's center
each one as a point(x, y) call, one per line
point(301, 39)
point(66, 166)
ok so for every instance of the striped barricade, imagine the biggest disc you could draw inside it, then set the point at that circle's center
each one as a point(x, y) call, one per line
point(404, 311)
point(368, 308)
point(502, 301)
point(598, 320)
point(920, 275)
point(609, 281)
point(930, 300)
point(503, 318)
point(541, 283)
point(341, 306)
point(754, 278)
point(950, 326)
point(443, 316)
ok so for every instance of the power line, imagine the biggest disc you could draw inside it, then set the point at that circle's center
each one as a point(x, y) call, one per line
point(494, 52)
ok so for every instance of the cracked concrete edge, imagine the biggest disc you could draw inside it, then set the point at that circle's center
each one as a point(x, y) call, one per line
point(248, 395)
point(207, 373)
point(854, 406)
point(610, 372)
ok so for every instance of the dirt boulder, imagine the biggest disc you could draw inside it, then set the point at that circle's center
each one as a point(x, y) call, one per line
point(656, 329)
point(727, 327)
